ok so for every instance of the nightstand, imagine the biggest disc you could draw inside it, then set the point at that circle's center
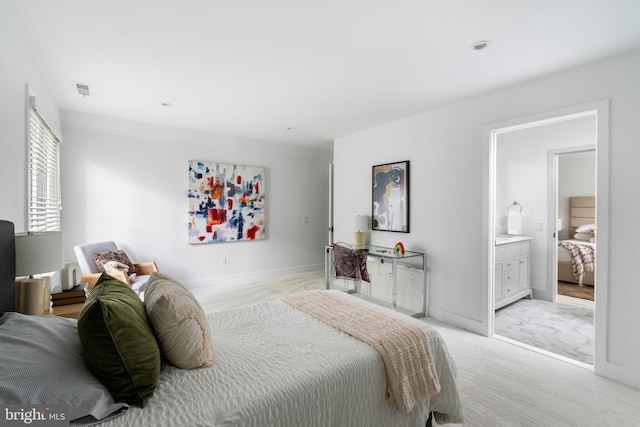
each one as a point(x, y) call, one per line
point(70, 310)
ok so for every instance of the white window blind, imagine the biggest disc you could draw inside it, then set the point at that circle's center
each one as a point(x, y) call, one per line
point(44, 182)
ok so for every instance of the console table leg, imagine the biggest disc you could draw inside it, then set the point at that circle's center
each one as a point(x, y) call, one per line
point(394, 288)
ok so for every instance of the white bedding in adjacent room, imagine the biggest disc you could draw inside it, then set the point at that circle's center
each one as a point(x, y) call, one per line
point(277, 366)
point(563, 253)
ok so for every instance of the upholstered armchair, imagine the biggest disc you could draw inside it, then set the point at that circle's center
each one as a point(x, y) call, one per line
point(87, 254)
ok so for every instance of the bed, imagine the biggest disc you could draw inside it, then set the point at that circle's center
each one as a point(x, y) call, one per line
point(275, 365)
point(582, 219)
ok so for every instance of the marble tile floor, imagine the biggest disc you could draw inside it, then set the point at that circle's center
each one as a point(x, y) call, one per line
point(500, 384)
point(563, 329)
point(576, 301)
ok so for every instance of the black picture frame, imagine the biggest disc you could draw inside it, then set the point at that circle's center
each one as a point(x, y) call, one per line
point(390, 197)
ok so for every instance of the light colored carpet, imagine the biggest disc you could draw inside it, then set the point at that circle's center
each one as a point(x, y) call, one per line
point(563, 329)
point(500, 384)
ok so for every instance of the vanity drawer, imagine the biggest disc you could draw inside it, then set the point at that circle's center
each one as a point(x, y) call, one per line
point(516, 249)
point(509, 264)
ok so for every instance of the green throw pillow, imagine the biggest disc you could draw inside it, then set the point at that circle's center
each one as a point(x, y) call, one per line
point(119, 345)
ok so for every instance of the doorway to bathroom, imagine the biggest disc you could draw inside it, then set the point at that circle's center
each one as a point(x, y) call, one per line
point(521, 172)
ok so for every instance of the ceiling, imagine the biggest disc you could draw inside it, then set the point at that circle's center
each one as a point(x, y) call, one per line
point(303, 71)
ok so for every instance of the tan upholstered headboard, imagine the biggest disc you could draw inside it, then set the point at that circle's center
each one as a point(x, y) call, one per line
point(582, 210)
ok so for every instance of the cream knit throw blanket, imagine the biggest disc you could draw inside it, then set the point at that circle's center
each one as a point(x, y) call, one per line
point(411, 374)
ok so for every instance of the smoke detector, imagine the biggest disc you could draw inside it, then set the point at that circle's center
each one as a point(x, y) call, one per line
point(479, 45)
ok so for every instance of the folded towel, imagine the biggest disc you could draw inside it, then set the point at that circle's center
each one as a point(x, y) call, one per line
point(514, 223)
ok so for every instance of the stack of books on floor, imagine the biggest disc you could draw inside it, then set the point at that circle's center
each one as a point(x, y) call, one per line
point(74, 295)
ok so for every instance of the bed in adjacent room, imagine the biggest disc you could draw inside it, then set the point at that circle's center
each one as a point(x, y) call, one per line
point(273, 364)
point(576, 255)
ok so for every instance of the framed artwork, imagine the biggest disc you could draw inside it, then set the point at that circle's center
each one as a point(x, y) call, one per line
point(226, 202)
point(391, 197)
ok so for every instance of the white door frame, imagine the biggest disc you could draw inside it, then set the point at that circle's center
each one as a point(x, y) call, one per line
point(601, 109)
point(552, 214)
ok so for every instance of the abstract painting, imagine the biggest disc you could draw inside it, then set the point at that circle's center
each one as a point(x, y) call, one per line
point(391, 197)
point(226, 202)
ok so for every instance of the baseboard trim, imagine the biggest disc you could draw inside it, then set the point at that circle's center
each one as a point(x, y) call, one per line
point(618, 373)
point(542, 294)
point(457, 320)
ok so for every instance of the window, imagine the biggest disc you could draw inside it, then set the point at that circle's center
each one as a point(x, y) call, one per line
point(43, 168)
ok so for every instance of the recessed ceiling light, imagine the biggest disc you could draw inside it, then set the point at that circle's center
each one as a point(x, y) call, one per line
point(482, 44)
point(167, 104)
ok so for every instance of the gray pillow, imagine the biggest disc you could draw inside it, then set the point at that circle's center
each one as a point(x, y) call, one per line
point(179, 323)
point(41, 362)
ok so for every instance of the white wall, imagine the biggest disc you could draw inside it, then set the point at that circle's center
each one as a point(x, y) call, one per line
point(19, 76)
point(521, 175)
point(449, 157)
point(17, 69)
point(576, 177)
point(127, 181)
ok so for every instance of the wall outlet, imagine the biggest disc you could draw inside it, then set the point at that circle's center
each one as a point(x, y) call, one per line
point(223, 260)
point(539, 226)
point(305, 219)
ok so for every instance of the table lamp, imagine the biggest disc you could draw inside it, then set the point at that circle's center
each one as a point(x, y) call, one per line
point(360, 225)
point(36, 253)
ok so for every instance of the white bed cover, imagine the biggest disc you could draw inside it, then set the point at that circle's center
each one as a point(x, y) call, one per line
point(278, 366)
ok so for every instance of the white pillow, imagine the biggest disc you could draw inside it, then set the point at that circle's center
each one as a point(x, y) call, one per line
point(180, 325)
point(585, 228)
point(582, 236)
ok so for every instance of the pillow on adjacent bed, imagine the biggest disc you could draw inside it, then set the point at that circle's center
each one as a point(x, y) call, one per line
point(179, 322)
point(120, 348)
point(585, 228)
point(41, 363)
point(582, 236)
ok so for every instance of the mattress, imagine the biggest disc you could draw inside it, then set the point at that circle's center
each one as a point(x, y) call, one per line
point(563, 253)
point(278, 366)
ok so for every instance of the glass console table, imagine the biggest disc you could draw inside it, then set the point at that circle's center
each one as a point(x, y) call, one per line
point(381, 254)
